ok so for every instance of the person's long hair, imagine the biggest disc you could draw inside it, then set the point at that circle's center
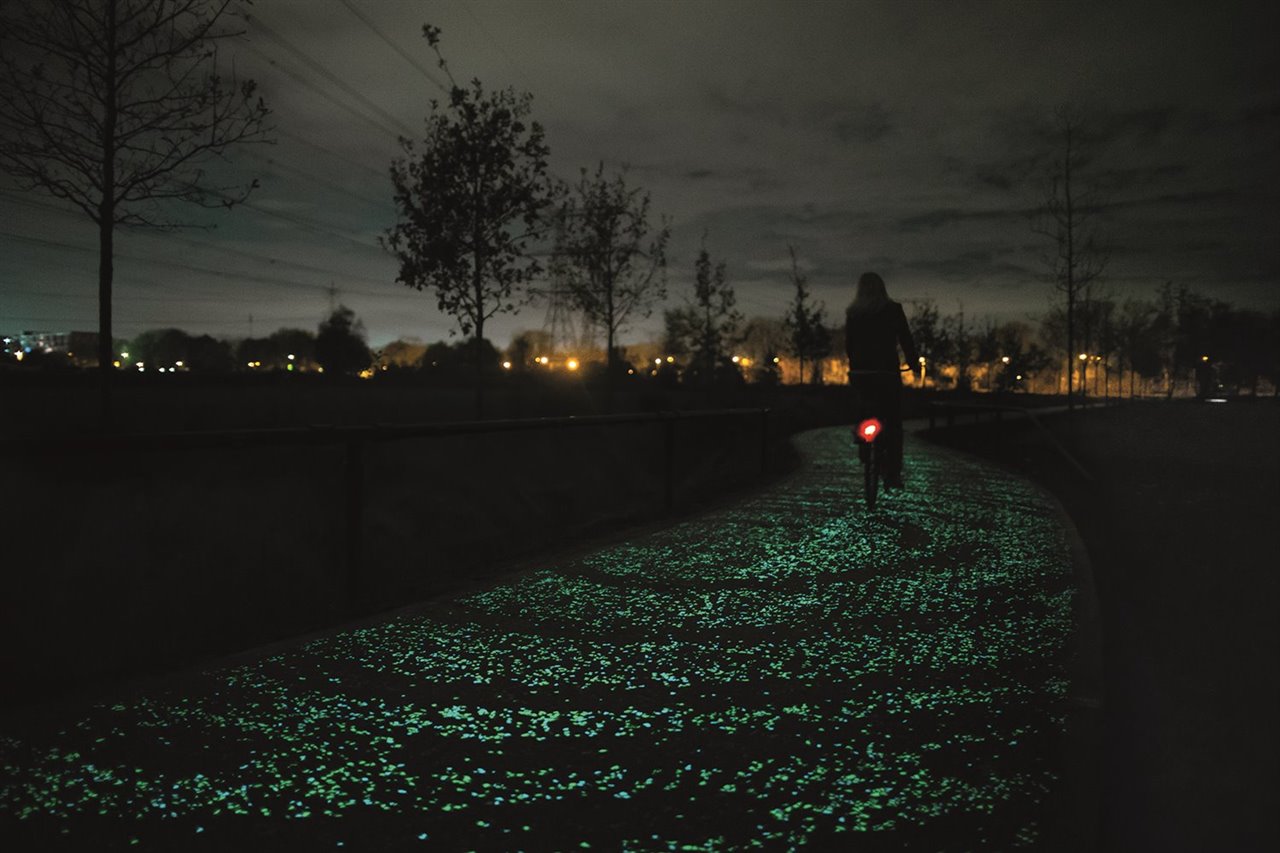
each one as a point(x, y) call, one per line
point(870, 296)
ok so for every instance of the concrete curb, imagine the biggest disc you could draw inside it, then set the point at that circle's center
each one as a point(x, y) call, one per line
point(1074, 816)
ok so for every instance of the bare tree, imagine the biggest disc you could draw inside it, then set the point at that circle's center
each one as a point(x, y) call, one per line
point(961, 338)
point(117, 106)
point(1066, 218)
point(805, 322)
point(612, 260)
point(470, 200)
point(706, 326)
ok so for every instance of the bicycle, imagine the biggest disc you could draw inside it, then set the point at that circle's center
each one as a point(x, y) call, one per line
point(865, 434)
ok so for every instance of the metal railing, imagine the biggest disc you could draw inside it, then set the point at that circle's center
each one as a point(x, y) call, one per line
point(949, 411)
point(354, 438)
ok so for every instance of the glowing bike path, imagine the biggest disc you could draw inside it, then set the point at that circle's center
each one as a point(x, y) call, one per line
point(787, 670)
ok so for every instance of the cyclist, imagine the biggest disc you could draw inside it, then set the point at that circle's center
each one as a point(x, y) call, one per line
point(875, 326)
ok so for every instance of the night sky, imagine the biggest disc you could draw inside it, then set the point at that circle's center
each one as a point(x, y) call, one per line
point(901, 137)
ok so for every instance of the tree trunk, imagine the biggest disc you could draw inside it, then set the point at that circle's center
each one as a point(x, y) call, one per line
point(479, 369)
point(106, 228)
point(106, 348)
point(610, 358)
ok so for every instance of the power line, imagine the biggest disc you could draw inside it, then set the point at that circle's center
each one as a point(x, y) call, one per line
point(202, 245)
point(391, 44)
point(303, 81)
point(308, 224)
point(323, 150)
point(488, 35)
point(297, 220)
point(307, 176)
point(116, 297)
point(165, 321)
point(233, 276)
point(326, 74)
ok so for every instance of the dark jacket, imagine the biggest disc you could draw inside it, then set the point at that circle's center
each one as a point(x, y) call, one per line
point(872, 340)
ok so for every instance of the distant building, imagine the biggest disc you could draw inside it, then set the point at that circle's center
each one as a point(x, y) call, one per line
point(81, 348)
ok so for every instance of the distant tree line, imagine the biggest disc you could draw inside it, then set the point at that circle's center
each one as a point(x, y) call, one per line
point(485, 228)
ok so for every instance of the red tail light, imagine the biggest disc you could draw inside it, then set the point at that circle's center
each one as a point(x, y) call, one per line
point(869, 429)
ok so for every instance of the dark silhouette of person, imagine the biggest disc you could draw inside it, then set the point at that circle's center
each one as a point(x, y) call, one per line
point(875, 326)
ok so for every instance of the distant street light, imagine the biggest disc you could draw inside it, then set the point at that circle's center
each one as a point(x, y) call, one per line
point(1004, 359)
point(506, 365)
point(657, 361)
point(1084, 357)
point(291, 356)
point(572, 364)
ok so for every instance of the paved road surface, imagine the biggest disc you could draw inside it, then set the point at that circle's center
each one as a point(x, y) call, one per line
point(782, 671)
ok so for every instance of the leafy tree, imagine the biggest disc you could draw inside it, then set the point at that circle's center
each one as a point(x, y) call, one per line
point(402, 355)
point(929, 333)
point(705, 328)
point(1243, 339)
point(299, 343)
point(1105, 341)
point(470, 199)
point(612, 260)
point(340, 343)
point(254, 351)
point(1066, 218)
point(1192, 331)
point(526, 346)
point(960, 338)
point(115, 106)
point(809, 338)
point(986, 350)
point(207, 354)
point(764, 340)
point(167, 347)
point(1026, 357)
point(1139, 346)
point(160, 347)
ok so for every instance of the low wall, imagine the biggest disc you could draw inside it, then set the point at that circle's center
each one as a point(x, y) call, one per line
point(118, 561)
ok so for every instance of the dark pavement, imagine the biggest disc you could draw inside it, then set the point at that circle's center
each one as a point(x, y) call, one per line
point(1180, 521)
point(782, 671)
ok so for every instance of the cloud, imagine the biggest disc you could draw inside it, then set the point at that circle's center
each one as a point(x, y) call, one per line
point(1194, 197)
point(1142, 125)
point(855, 123)
point(949, 216)
point(1118, 180)
point(974, 265)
